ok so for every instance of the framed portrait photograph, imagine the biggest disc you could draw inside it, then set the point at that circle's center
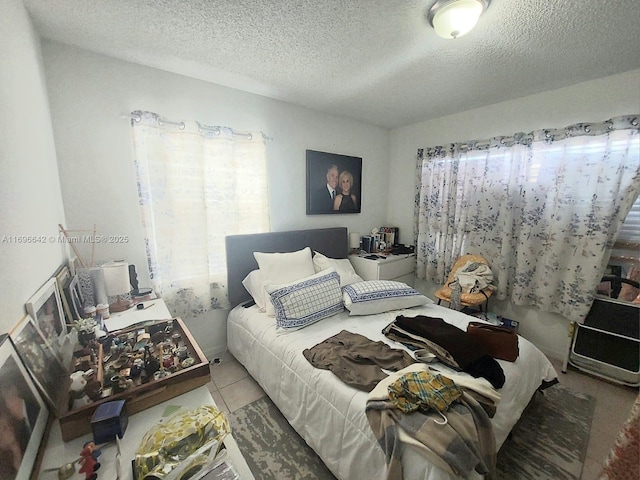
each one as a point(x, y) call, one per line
point(334, 183)
point(46, 309)
point(23, 416)
point(44, 364)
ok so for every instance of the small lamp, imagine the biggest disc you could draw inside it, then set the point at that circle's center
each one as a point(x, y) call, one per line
point(354, 242)
point(116, 280)
point(455, 18)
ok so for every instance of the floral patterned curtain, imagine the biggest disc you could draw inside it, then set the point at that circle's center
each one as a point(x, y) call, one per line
point(196, 184)
point(543, 208)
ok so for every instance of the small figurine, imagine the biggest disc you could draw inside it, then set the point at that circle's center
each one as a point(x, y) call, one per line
point(89, 461)
point(152, 364)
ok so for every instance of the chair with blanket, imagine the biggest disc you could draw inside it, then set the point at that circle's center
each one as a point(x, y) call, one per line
point(467, 299)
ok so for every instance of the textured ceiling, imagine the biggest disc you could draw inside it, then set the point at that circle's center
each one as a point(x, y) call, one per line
point(374, 60)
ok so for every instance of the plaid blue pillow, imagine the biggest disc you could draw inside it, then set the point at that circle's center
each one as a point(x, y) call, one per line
point(306, 301)
point(377, 296)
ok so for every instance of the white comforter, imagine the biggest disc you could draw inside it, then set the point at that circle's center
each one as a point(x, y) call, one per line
point(329, 414)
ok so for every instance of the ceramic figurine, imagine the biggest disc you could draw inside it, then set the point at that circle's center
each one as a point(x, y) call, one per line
point(151, 364)
point(88, 462)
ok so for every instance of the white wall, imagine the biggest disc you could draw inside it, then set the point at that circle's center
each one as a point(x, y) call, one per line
point(30, 196)
point(90, 94)
point(591, 101)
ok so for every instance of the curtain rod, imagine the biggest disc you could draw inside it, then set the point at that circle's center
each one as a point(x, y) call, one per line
point(181, 125)
point(622, 122)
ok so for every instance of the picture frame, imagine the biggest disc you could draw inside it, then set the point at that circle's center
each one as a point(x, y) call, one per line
point(74, 296)
point(63, 278)
point(74, 265)
point(46, 309)
point(332, 171)
point(24, 426)
point(43, 363)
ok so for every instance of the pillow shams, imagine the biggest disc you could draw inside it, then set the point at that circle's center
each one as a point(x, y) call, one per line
point(306, 301)
point(341, 265)
point(377, 296)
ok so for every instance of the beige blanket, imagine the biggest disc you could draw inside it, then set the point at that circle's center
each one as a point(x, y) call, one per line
point(465, 443)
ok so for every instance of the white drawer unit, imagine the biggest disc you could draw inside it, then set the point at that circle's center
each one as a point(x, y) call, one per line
point(400, 268)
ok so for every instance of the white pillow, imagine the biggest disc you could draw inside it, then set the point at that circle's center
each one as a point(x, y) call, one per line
point(285, 267)
point(254, 283)
point(341, 265)
point(281, 268)
point(306, 301)
point(377, 296)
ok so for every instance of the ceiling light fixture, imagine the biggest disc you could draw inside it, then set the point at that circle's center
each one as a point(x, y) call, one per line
point(454, 18)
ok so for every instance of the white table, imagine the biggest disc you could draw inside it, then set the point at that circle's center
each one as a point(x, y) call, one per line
point(58, 452)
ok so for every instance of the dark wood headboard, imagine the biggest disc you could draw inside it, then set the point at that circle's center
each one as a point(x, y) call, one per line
point(332, 242)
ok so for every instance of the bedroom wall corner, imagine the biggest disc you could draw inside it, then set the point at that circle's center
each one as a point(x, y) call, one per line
point(30, 195)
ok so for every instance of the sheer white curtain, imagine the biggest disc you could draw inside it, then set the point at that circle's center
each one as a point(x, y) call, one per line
point(543, 208)
point(196, 184)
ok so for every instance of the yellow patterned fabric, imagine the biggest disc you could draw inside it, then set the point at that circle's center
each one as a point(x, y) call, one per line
point(180, 438)
point(423, 390)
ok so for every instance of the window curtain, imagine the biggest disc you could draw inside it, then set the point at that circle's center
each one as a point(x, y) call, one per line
point(196, 184)
point(543, 208)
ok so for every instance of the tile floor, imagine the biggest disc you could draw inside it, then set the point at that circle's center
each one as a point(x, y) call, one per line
point(232, 388)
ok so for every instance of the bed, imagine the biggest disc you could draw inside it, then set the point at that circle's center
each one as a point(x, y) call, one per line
point(326, 412)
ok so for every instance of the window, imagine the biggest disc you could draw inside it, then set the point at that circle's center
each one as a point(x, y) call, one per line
point(196, 184)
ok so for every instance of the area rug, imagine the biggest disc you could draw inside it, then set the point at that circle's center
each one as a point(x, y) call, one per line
point(549, 442)
point(272, 448)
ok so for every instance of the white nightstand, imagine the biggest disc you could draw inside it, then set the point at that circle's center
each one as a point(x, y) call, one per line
point(400, 268)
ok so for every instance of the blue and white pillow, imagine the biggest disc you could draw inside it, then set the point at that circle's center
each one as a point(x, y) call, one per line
point(377, 296)
point(306, 301)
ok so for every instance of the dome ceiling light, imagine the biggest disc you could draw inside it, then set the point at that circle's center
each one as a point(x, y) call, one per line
point(454, 18)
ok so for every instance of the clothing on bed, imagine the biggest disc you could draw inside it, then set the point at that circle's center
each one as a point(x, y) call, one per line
point(479, 388)
point(465, 443)
point(468, 353)
point(423, 390)
point(357, 360)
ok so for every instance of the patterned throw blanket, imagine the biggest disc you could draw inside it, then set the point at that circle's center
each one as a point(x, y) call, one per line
point(466, 442)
